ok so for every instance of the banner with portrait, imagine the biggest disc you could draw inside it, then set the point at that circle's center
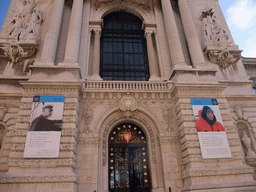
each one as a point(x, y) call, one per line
point(211, 131)
point(44, 131)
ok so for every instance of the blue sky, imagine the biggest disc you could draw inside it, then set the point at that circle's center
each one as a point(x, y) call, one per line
point(240, 16)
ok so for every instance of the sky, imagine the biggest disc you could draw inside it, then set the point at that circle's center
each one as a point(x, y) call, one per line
point(240, 16)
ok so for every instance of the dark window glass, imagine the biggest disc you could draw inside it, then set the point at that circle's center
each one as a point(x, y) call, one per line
point(123, 49)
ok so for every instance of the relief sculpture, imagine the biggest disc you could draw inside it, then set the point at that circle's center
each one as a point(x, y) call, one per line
point(27, 22)
point(23, 34)
point(216, 42)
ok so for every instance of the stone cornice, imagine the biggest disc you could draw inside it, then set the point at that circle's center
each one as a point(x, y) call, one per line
point(198, 90)
point(216, 172)
point(221, 186)
point(89, 141)
point(51, 87)
point(38, 178)
point(41, 162)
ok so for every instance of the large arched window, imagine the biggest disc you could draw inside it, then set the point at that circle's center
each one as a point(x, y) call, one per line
point(123, 49)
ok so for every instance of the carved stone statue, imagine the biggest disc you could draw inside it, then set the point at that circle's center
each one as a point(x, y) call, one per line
point(213, 32)
point(13, 29)
point(216, 42)
point(26, 23)
point(247, 142)
point(239, 111)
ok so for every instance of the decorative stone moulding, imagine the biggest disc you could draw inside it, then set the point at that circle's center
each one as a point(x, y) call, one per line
point(216, 42)
point(122, 4)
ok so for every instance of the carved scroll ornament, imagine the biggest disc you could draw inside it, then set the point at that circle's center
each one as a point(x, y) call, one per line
point(223, 57)
point(17, 52)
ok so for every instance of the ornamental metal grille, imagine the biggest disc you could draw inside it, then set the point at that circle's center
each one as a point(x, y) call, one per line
point(128, 160)
point(123, 49)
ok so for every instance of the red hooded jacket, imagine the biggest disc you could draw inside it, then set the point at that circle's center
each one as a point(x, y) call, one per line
point(203, 126)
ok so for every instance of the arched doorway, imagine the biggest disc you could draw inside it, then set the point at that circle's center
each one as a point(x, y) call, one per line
point(128, 159)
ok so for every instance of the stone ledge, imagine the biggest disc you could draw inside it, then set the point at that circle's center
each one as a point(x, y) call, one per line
point(41, 163)
point(222, 187)
point(38, 178)
point(216, 172)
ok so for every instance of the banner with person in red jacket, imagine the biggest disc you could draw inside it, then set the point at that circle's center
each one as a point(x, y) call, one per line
point(210, 129)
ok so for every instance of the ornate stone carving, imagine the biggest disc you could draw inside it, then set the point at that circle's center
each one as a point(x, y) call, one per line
point(122, 4)
point(239, 112)
point(70, 133)
point(23, 119)
point(18, 133)
point(224, 58)
point(89, 141)
point(26, 23)
point(217, 43)
point(70, 106)
point(87, 117)
point(17, 52)
point(3, 111)
point(211, 172)
point(41, 162)
point(212, 30)
point(247, 142)
point(128, 103)
point(33, 178)
point(168, 115)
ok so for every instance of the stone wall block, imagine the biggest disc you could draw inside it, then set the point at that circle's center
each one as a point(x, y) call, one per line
point(26, 100)
point(69, 119)
point(11, 122)
point(68, 132)
point(183, 119)
point(188, 138)
point(24, 112)
point(8, 116)
point(187, 131)
point(67, 140)
point(191, 151)
point(70, 126)
point(19, 139)
point(185, 113)
point(187, 125)
point(67, 155)
point(70, 113)
point(190, 144)
point(232, 136)
point(235, 149)
point(16, 155)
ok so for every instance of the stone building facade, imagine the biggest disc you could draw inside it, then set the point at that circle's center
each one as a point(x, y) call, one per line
point(61, 47)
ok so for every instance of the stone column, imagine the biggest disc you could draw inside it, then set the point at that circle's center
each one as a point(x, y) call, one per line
point(194, 46)
point(173, 37)
point(52, 35)
point(74, 33)
point(151, 56)
point(96, 55)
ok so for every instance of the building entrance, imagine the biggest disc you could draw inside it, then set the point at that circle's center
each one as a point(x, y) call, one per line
point(128, 159)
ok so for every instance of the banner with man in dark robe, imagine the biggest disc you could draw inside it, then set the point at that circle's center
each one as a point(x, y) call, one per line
point(44, 131)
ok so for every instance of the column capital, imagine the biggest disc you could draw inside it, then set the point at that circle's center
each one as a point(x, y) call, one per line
point(148, 33)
